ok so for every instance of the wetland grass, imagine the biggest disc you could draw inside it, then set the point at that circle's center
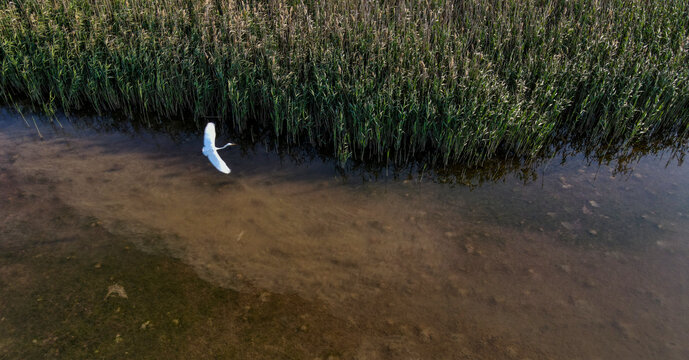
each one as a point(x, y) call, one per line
point(444, 82)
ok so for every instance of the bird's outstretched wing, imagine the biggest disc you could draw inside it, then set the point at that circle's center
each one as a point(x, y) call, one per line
point(209, 136)
point(218, 162)
point(211, 151)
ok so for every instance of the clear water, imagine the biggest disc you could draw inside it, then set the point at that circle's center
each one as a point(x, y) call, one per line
point(582, 262)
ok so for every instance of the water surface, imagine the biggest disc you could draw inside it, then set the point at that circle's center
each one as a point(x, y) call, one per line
point(582, 262)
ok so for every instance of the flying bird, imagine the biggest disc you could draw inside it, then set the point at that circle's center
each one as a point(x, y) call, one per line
point(211, 151)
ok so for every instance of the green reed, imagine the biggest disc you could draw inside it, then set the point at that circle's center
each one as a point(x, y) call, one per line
point(447, 82)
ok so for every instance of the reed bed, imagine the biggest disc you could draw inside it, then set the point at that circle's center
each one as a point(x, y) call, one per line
point(448, 82)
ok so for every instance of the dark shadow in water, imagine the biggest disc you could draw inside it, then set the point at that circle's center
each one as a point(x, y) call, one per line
point(622, 157)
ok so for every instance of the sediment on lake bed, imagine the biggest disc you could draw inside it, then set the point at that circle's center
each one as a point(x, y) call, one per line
point(387, 82)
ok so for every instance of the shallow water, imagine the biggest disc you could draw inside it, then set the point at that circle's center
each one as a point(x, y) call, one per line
point(582, 262)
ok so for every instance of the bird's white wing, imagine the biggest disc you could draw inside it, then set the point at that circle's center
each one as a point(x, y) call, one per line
point(209, 136)
point(218, 162)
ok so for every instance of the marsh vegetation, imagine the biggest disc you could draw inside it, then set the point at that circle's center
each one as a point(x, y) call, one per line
point(444, 82)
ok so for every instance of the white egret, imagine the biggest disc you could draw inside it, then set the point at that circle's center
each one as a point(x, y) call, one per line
point(211, 151)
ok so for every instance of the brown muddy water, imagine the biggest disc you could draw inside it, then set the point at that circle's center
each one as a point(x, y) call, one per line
point(117, 245)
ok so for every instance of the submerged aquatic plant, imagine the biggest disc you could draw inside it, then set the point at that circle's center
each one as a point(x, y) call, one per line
point(445, 82)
